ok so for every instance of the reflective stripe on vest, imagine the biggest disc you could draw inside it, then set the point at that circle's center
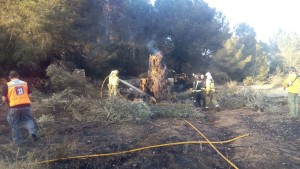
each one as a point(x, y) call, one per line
point(17, 93)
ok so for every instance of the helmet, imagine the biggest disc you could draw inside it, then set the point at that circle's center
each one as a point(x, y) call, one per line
point(114, 72)
point(207, 74)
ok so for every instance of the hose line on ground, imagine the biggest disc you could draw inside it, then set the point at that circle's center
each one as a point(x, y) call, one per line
point(140, 149)
point(102, 86)
point(210, 143)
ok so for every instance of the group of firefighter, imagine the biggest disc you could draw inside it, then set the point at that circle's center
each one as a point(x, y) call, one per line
point(204, 91)
point(16, 93)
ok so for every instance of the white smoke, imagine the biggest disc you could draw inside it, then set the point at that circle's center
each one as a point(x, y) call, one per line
point(151, 48)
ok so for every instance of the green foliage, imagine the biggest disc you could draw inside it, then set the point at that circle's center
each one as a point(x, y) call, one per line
point(177, 110)
point(263, 69)
point(260, 67)
point(61, 79)
point(100, 35)
point(242, 56)
point(25, 41)
point(230, 59)
point(193, 29)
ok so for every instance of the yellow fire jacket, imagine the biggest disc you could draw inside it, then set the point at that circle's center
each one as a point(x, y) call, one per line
point(292, 83)
point(210, 86)
point(113, 80)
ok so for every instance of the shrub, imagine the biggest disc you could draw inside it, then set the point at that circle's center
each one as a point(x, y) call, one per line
point(246, 97)
point(179, 110)
point(119, 109)
point(249, 80)
point(232, 85)
point(61, 79)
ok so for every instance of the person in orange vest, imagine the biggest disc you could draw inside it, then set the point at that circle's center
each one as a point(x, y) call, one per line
point(17, 94)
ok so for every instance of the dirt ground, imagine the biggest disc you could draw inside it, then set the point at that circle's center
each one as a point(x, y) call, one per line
point(273, 143)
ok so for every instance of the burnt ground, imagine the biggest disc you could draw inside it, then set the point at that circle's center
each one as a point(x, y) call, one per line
point(273, 143)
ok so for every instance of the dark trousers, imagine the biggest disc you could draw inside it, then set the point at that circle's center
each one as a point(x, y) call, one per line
point(17, 117)
point(203, 98)
point(199, 99)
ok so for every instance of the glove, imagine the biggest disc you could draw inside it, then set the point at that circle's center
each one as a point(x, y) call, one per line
point(290, 84)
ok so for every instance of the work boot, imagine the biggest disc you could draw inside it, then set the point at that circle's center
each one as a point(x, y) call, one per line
point(34, 137)
point(206, 108)
point(218, 108)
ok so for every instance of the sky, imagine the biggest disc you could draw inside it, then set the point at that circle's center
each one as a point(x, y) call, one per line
point(265, 16)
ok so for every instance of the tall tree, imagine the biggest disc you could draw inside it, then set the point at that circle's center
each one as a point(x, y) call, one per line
point(23, 41)
point(247, 37)
point(260, 67)
point(286, 48)
point(192, 28)
point(231, 60)
point(100, 35)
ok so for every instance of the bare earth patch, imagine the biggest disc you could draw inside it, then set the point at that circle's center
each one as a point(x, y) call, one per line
point(273, 143)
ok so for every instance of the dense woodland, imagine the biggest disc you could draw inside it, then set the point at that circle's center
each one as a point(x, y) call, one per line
point(101, 35)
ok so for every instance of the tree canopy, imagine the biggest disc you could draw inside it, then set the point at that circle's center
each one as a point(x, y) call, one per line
point(100, 35)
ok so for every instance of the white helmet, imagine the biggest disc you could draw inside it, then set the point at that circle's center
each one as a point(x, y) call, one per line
point(114, 72)
point(208, 75)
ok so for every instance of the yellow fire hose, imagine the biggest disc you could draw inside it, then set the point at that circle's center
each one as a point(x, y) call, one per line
point(102, 86)
point(150, 147)
point(210, 143)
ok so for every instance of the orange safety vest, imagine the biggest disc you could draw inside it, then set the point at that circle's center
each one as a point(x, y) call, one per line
point(17, 92)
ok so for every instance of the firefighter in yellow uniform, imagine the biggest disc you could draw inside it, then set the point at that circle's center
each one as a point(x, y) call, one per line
point(113, 82)
point(210, 92)
point(292, 83)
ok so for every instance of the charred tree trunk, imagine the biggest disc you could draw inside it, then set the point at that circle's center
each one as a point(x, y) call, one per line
point(157, 83)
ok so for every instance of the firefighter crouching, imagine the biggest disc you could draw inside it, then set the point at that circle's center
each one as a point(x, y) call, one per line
point(113, 82)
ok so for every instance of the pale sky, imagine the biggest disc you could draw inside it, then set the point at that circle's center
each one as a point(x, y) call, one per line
point(265, 16)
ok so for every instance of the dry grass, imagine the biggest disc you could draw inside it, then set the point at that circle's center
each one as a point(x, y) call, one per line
point(177, 110)
point(83, 109)
point(249, 80)
point(276, 80)
point(45, 118)
point(83, 106)
point(232, 85)
point(246, 97)
point(26, 162)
